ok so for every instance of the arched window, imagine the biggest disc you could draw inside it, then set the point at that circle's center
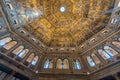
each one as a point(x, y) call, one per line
point(59, 64)
point(23, 53)
point(104, 54)
point(117, 44)
point(30, 58)
point(65, 64)
point(95, 58)
point(76, 65)
point(110, 51)
point(90, 61)
point(5, 40)
point(48, 64)
point(34, 61)
point(10, 45)
point(18, 50)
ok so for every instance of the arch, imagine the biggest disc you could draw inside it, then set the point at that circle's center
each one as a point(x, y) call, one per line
point(30, 58)
point(23, 53)
point(90, 61)
point(103, 54)
point(5, 40)
point(59, 64)
point(95, 58)
point(10, 45)
point(76, 65)
point(110, 51)
point(35, 60)
point(48, 64)
point(65, 64)
point(116, 43)
point(18, 50)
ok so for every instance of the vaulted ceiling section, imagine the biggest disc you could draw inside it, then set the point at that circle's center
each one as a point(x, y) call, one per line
point(64, 22)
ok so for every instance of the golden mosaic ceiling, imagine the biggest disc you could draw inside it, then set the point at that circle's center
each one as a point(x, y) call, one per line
point(68, 22)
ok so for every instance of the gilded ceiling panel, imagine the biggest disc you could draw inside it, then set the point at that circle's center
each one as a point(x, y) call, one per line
point(64, 22)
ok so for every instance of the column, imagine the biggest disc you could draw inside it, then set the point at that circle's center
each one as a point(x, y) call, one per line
point(41, 64)
point(70, 64)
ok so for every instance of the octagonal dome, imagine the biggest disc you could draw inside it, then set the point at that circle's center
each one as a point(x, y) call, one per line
point(64, 22)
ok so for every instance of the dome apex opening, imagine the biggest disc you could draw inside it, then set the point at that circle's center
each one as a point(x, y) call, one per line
point(62, 9)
